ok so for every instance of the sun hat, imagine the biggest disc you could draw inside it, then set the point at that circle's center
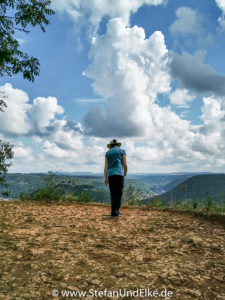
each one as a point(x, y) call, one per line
point(113, 143)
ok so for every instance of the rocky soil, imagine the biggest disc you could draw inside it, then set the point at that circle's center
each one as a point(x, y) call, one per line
point(48, 249)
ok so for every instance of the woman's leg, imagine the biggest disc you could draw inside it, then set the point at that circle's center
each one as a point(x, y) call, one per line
point(120, 184)
point(112, 188)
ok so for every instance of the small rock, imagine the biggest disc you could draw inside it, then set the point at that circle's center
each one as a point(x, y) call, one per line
point(73, 288)
point(96, 282)
point(44, 278)
point(173, 244)
point(175, 280)
point(151, 229)
point(196, 241)
point(132, 276)
point(120, 274)
point(163, 276)
point(196, 293)
point(66, 277)
point(162, 251)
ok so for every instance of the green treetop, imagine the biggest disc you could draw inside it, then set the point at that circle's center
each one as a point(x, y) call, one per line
point(16, 16)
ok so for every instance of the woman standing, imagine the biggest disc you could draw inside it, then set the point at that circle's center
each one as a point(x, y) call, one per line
point(115, 170)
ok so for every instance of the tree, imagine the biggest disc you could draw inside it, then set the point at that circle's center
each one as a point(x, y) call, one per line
point(5, 153)
point(130, 195)
point(2, 104)
point(17, 15)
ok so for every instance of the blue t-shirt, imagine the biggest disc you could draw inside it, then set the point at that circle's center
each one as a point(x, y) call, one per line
point(115, 161)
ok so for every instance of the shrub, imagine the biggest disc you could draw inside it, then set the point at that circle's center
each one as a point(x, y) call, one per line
point(131, 196)
point(209, 203)
point(47, 194)
point(195, 204)
point(84, 197)
point(69, 198)
point(156, 202)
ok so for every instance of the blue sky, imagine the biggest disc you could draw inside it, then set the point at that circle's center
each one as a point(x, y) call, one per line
point(150, 73)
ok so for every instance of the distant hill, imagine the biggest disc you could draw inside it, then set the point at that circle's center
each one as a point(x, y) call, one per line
point(79, 174)
point(91, 182)
point(162, 182)
point(157, 183)
point(197, 188)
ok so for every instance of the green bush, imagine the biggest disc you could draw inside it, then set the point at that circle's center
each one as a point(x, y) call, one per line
point(85, 197)
point(47, 194)
point(69, 198)
point(156, 202)
point(209, 204)
point(195, 204)
point(131, 196)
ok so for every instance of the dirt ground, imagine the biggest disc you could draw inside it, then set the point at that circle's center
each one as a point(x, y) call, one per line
point(48, 251)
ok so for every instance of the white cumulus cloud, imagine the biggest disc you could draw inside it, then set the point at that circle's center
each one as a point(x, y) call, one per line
point(221, 5)
point(181, 97)
point(14, 119)
point(128, 70)
point(210, 138)
point(188, 29)
point(43, 111)
point(187, 22)
point(21, 151)
point(23, 118)
point(92, 11)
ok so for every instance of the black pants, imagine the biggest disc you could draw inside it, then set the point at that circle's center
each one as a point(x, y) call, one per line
point(116, 183)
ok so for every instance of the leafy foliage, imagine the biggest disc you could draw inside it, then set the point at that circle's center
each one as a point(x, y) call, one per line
point(131, 196)
point(47, 194)
point(195, 204)
point(17, 15)
point(156, 202)
point(2, 105)
point(55, 193)
point(5, 154)
point(208, 202)
point(84, 197)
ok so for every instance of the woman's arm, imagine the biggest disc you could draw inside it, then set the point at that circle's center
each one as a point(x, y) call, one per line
point(124, 165)
point(105, 171)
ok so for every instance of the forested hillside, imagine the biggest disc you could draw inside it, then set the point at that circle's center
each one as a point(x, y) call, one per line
point(198, 187)
point(160, 183)
point(185, 187)
point(94, 184)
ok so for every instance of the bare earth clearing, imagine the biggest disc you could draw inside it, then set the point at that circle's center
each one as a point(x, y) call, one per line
point(77, 247)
